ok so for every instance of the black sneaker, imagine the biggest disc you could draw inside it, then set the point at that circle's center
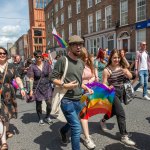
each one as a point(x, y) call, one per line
point(63, 137)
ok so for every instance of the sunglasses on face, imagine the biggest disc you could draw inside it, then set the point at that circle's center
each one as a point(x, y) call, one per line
point(38, 56)
point(2, 53)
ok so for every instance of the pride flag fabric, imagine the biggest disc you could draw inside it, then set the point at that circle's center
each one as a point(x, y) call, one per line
point(59, 39)
point(99, 102)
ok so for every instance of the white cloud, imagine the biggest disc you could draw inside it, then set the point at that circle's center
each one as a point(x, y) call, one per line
point(4, 40)
point(10, 30)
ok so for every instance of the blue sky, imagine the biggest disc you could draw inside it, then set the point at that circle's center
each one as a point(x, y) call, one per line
point(11, 24)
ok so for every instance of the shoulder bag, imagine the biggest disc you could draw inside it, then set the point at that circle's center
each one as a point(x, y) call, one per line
point(57, 96)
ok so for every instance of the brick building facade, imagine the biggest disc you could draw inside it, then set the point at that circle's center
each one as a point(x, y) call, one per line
point(36, 33)
point(102, 23)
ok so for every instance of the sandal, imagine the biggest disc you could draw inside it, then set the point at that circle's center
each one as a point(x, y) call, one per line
point(4, 146)
point(9, 134)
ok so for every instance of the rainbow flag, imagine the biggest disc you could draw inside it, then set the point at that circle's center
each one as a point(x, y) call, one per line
point(99, 102)
point(59, 39)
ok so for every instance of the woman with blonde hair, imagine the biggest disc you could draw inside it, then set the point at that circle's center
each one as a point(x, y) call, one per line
point(87, 77)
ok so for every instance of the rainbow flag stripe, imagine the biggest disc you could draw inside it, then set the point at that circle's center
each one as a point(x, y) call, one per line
point(99, 102)
point(59, 39)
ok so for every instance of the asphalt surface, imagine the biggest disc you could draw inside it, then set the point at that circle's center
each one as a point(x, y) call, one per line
point(28, 135)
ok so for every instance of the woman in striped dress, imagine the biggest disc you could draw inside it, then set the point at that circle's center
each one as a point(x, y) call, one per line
point(113, 76)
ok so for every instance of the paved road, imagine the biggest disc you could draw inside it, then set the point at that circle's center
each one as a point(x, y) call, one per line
point(30, 136)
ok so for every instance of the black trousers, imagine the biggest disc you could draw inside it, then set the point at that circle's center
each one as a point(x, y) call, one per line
point(118, 110)
point(39, 108)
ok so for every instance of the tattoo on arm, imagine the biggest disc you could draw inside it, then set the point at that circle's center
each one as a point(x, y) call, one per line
point(31, 84)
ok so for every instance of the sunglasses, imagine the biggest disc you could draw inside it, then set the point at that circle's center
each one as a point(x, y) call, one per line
point(2, 53)
point(38, 56)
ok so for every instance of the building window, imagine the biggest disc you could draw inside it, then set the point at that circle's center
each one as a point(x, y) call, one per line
point(61, 3)
point(98, 20)
point(37, 32)
point(79, 27)
point(140, 36)
point(70, 29)
point(90, 3)
point(124, 12)
point(56, 7)
point(48, 15)
point(97, 1)
point(111, 42)
point(52, 24)
point(56, 21)
point(62, 18)
point(108, 17)
point(141, 10)
point(90, 23)
point(78, 7)
point(37, 40)
point(69, 11)
point(63, 34)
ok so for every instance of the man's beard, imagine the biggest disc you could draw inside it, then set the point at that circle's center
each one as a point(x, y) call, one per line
point(76, 54)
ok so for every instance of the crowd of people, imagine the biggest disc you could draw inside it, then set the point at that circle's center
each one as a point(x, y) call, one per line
point(38, 78)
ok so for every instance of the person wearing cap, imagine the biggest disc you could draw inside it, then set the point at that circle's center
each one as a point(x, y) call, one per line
point(70, 104)
point(142, 65)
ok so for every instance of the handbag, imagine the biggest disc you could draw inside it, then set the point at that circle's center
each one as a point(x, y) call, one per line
point(57, 96)
point(14, 84)
point(32, 98)
point(128, 93)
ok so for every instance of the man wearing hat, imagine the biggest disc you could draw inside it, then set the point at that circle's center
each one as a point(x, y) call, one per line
point(70, 104)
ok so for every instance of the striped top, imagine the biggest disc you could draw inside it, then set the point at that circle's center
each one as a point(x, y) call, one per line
point(116, 78)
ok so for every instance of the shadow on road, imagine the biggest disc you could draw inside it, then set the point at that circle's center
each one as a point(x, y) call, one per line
point(50, 140)
point(118, 146)
point(94, 127)
point(142, 140)
point(29, 117)
point(148, 118)
point(142, 143)
point(13, 129)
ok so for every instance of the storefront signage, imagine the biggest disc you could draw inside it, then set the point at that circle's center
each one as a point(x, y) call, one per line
point(143, 24)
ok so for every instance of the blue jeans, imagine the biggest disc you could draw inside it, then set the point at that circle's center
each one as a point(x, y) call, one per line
point(71, 110)
point(143, 81)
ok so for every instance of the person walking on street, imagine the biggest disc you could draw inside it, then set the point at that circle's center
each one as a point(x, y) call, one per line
point(40, 87)
point(8, 104)
point(100, 64)
point(70, 104)
point(142, 65)
point(87, 77)
point(113, 75)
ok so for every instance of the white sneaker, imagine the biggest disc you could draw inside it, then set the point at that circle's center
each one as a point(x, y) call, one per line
point(126, 140)
point(147, 98)
point(103, 125)
point(89, 143)
point(41, 122)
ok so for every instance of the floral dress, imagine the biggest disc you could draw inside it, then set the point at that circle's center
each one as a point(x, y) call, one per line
point(8, 96)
